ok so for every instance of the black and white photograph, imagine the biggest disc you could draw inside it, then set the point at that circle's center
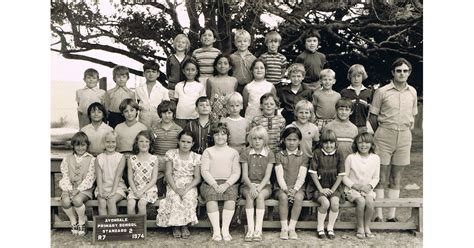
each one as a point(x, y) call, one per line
point(264, 123)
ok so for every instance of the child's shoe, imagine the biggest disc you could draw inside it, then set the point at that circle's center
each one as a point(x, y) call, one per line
point(292, 234)
point(226, 237)
point(216, 237)
point(257, 236)
point(176, 232)
point(185, 232)
point(74, 229)
point(321, 234)
point(331, 234)
point(284, 234)
point(248, 236)
point(82, 230)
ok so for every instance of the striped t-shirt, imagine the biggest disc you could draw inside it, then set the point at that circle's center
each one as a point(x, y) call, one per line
point(205, 58)
point(274, 125)
point(165, 139)
point(275, 62)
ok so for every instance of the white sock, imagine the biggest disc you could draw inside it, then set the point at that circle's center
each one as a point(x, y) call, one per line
point(250, 222)
point(214, 218)
point(292, 225)
point(392, 194)
point(70, 214)
point(284, 225)
point(81, 213)
point(332, 219)
point(259, 219)
point(379, 194)
point(226, 218)
point(321, 219)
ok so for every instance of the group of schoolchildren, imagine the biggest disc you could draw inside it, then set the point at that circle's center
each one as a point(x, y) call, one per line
point(220, 127)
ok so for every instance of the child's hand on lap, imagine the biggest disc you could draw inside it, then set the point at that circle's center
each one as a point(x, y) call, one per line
point(366, 188)
point(253, 191)
point(326, 192)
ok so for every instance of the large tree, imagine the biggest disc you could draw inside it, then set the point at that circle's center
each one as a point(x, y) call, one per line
point(372, 33)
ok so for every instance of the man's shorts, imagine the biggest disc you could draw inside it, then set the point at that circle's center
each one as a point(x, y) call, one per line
point(393, 146)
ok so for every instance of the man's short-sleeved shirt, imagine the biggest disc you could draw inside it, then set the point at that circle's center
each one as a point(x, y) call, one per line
point(395, 109)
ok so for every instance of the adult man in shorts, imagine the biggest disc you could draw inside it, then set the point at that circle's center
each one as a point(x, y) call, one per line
point(392, 116)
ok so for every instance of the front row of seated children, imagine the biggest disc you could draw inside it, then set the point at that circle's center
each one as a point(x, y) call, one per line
point(220, 167)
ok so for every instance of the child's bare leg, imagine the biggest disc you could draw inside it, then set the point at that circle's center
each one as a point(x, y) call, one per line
point(322, 212)
point(260, 211)
point(360, 207)
point(296, 210)
point(102, 205)
point(369, 211)
point(142, 206)
point(213, 213)
point(283, 209)
point(112, 203)
point(131, 203)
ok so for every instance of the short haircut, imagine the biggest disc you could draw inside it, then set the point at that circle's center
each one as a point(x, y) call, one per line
point(120, 70)
point(258, 131)
point(270, 95)
point(128, 102)
point(312, 33)
point(357, 69)
point(190, 134)
point(195, 63)
point(97, 106)
point(202, 99)
point(272, 36)
point(328, 135)
point(400, 61)
point(203, 30)
point(78, 139)
point(242, 33)
point(327, 73)
point(344, 102)
point(286, 132)
point(255, 62)
point(229, 59)
point(234, 97)
point(91, 72)
point(217, 128)
point(185, 38)
point(151, 64)
point(304, 104)
point(166, 106)
point(111, 133)
point(364, 137)
point(296, 67)
point(147, 134)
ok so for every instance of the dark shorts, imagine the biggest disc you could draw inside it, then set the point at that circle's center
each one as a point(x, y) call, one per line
point(208, 193)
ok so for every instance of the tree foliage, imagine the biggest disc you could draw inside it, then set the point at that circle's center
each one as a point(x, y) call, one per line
point(372, 33)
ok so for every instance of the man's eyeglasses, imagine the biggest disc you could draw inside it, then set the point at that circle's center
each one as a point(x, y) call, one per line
point(400, 71)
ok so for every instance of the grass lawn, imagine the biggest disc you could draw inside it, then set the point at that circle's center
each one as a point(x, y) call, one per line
point(162, 237)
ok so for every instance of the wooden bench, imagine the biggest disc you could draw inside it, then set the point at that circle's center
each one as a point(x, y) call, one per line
point(415, 222)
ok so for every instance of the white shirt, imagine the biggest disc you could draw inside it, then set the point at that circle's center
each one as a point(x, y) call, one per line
point(187, 96)
point(157, 95)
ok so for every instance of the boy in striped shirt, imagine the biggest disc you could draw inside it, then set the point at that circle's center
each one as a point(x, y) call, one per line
point(276, 62)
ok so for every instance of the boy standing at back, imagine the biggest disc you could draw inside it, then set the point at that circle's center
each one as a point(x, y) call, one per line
point(89, 94)
point(276, 62)
point(150, 94)
point(325, 99)
point(242, 59)
point(313, 60)
point(115, 96)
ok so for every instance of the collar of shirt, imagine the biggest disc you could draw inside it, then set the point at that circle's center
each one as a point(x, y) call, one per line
point(79, 158)
point(361, 88)
point(173, 126)
point(263, 152)
point(246, 54)
point(96, 88)
point(328, 153)
point(295, 152)
point(124, 88)
point(391, 85)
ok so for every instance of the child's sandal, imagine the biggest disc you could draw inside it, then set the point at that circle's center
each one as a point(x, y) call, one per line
point(360, 235)
point(331, 234)
point(185, 232)
point(370, 235)
point(176, 232)
point(257, 236)
point(82, 230)
point(321, 234)
point(248, 236)
point(216, 237)
point(75, 229)
point(227, 237)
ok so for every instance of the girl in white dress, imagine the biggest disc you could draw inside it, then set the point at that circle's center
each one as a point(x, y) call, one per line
point(109, 167)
